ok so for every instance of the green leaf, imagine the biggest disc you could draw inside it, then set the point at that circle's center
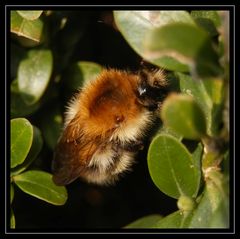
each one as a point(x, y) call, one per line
point(145, 222)
point(183, 114)
point(18, 106)
point(214, 88)
point(166, 130)
point(196, 88)
point(30, 15)
point(21, 140)
point(23, 27)
point(208, 26)
point(168, 63)
point(220, 217)
point(171, 167)
point(34, 74)
point(213, 16)
point(12, 220)
point(175, 220)
point(186, 43)
point(135, 25)
point(213, 208)
point(216, 91)
point(34, 151)
point(11, 193)
point(209, 94)
point(40, 185)
point(81, 72)
point(164, 38)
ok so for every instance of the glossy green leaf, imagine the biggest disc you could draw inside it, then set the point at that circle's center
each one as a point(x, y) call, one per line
point(145, 222)
point(213, 208)
point(175, 220)
point(18, 106)
point(81, 72)
point(135, 25)
point(208, 20)
point(214, 88)
point(30, 15)
point(176, 37)
point(21, 140)
point(168, 63)
point(216, 91)
point(34, 151)
point(34, 74)
point(213, 16)
point(220, 217)
point(51, 125)
point(11, 193)
point(186, 43)
point(171, 167)
point(12, 220)
point(26, 28)
point(166, 130)
point(40, 185)
point(208, 93)
point(196, 88)
point(183, 114)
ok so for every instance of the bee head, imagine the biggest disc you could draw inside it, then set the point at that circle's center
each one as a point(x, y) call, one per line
point(152, 88)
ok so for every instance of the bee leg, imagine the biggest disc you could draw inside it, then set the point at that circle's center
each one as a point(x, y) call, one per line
point(134, 146)
point(116, 146)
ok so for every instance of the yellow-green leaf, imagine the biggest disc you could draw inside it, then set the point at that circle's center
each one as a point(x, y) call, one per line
point(177, 219)
point(21, 140)
point(12, 220)
point(184, 115)
point(30, 15)
point(213, 16)
point(197, 89)
point(18, 106)
point(11, 193)
point(40, 185)
point(145, 222)
point(34, 74)
point(213, 208)
point(171, 167)
point(34, 151)
point(186, 43)
point(26, 28)
point(136, 25)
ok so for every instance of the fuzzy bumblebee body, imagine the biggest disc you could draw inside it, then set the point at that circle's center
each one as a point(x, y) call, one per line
point(106, 123)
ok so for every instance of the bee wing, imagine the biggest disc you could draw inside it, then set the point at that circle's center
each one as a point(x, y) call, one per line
point(71, 158)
